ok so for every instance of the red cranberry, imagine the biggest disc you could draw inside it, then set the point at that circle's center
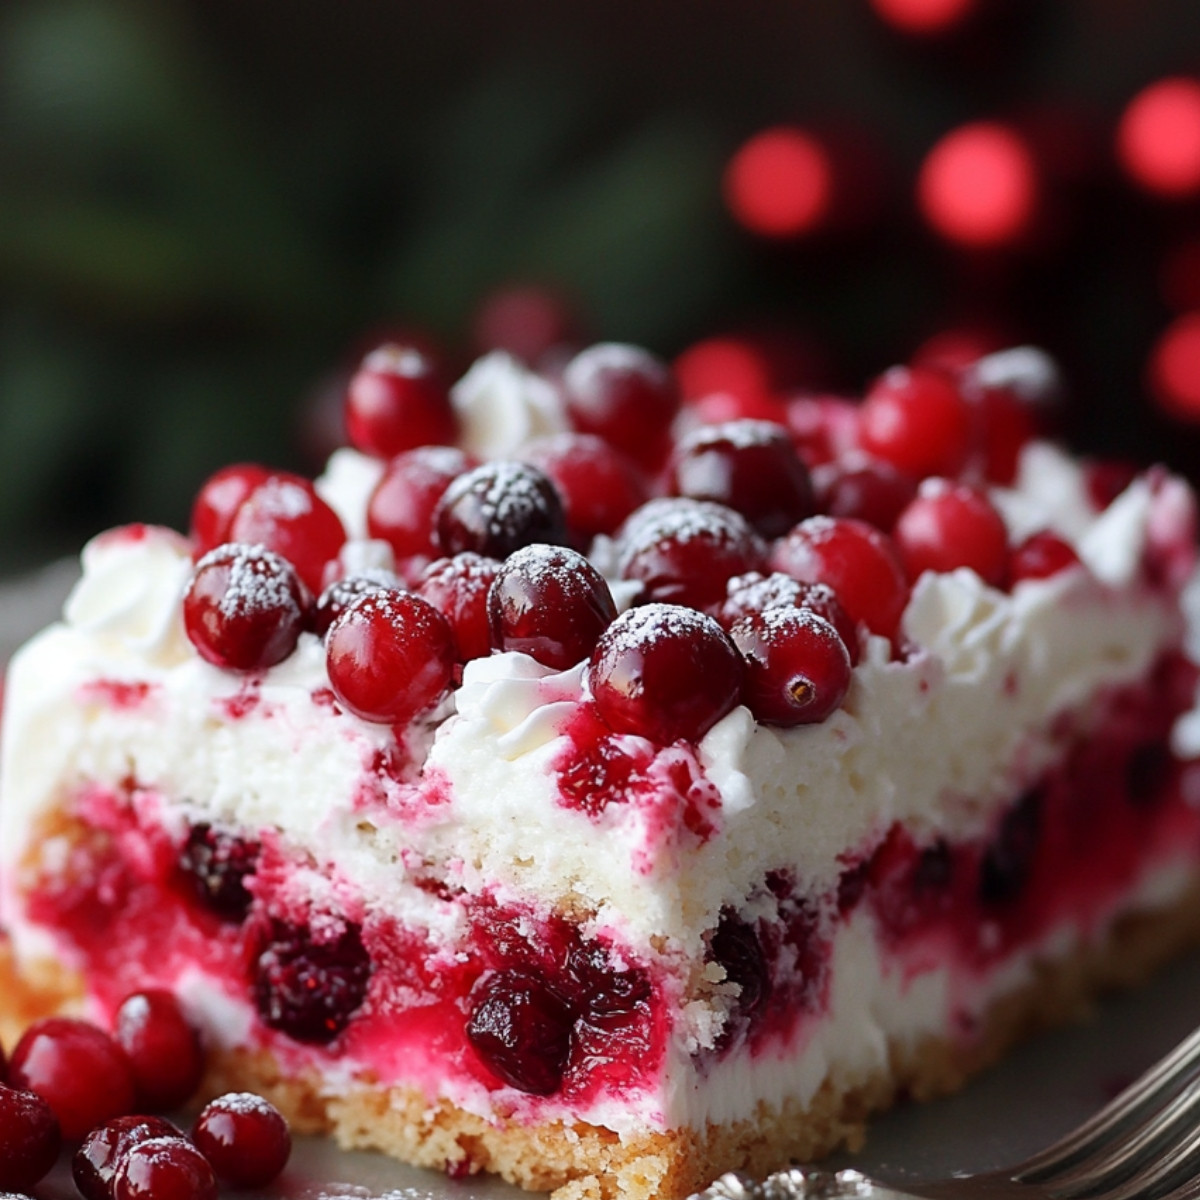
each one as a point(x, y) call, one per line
point(749, 466)
point(754, 593)
point(1039, 556)
point(550, 603)
point(822, 428)
point(162, 1046)
point(685, 550)
point(285, 514)
point(735, 946)
point(245, 1138)
point(341, 593)
point(218, 500)
point(164, 1168)
point(916, 419)
point(310, 989)
point(245, 608)
point(867, 489)
point(528, 321)
point(951, 525)
point(797, 667)
point(856, 560)
point(390, 656)
point(1106, 479)
point(216, 864)
point(397, 400)
point(77, 1069)
point(719, 407)
point(1008, 860)
point(458, 588)
point(95, 1162)
point(665, 672)
point(1007, 424)
point(400, 509)
point(29, 1138)
point(498, 508)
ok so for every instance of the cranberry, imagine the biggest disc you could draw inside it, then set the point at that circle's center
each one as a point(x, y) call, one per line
point(521, 1029)
point(458, 588)
point(797, 666)
point(916, 419)
point(397, 400)
point(1007, 424)
point(162, 1046)
point(822, 428)
point(310, 989)
point(390, 656)
point(1041, 555)
point(735, 946)
point(95, 1162)
point(951, 525)
point(29, 1138)
point(865, 488)
point(218, 500)
point(856, 560)
point(665, 672)
point(749, 466)
point(550, 603)
point(77, 1069)
point(285, 514)
point(498, 508)
point(341, 593)
point(400, 509)
point(685, 550)
point(752, 593)
point(1106, 479)
point(245, 607)
point(624, 395)
point(164, 1168)
point(245, 1138)
point(216, 864)
point(719, 407)
point(1008, 861)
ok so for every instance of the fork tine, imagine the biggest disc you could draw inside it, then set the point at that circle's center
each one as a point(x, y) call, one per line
point(1175, 1167)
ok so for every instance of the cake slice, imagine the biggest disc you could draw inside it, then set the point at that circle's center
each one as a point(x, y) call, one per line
point(861, 741)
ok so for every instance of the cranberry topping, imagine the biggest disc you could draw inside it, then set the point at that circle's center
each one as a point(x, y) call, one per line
point(95, 1162)
point(1106, 479)
point(1007, 424)
point(822, 428)
point(498, 508)
point(911, 885)
point(400, 509)
point(1040, 556)
point(164, 1168)
point(217, 864)
point(77, 1069)
point(341, 593)
point(397, 400)
point(217, 502)
point(310, 989)
point(550, 603)
point(390, 656)
point(245, 607)
point(162, 1047)
point(665, 672)
point(951, 525)
point(685, 550)
point(749, 466)
point(245, 1138)
point(29, 1138)
point(458, 588)
point(1008, 860)
point(865, 488)
point(753, 593)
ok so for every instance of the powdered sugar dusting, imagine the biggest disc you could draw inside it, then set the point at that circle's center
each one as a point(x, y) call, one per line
point(680, 520)
point(244, 1104)
point(741, 434)
point(651, 623)
point(259, 580)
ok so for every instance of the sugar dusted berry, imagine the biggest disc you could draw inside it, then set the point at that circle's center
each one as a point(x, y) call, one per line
point(162, 1046)
point(865, 488)
point(1040, 556)
point(341, 593)
point(498, 508)
point(458, 588)
point(218, 500)
point(164, 1168)
point(245, 1138)
point(951, 525)
point(95, 1162)
point(754, 593)
point(29, 1138)
point(396, 400)
point(400, 511)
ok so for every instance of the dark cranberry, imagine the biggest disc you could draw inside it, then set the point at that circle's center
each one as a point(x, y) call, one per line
point(162, 1046)
point(164, 1168)
point(736, 947)
point(77, 1069)
point(29, 1138)
point(400, 509)
point(310, 989)
point(390, 656)
point(1106, 479)
point(664, 672)
point(245, 1138)
point(340, 594)
point(521, 1029)
point(550, 603)
point(1148, 772)
point(245, 608)
point(685, 550)
point(458, 588)
point(865, 488)
point(752, 593)
point(1040, 556)
point(951, 525)
point(397, 400)
point(498, 508)
point(217, 864)
point(749, 466)
point(95, 1162)
point(217, 502)
point(1008, 860)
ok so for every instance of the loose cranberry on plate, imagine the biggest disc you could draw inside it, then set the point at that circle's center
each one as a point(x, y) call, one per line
point(951, 525)
point(396, 400)
point(458, 588)
point(29, 1138)
point(400, 511)
point(95, 1162)
point(164, 1168)
point(498, 508)
point(162, 1046)
point(245, 1138)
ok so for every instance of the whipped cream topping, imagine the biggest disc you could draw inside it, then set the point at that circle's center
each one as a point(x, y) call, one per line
point(501, 405)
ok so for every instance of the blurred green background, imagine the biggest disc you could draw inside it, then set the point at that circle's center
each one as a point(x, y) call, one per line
point(206, 206)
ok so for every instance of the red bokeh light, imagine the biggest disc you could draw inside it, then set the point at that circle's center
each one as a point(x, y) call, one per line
point(527, 320)
point(1179, 276)
point(1158, 137)
point(923, 16)
point(780, 183)
point(1174, 368)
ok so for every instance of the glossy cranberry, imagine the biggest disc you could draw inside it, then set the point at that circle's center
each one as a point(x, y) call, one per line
point(458, 588)
point(1007, 425)
point(285, 514)
point(390, 656)
point(216, 864)
point(521, 1029)
point(95, 1162)
point(1106, 479)
point(664, 672)
point(856, 560)
point(77, 1069)
point(341, 593)
point(245, 607)
point(549, 602)
point(735, 946)
point(397, 400)
point(684, 551)
point(498, 508)
point(1040, 556)
point(164, 1168)
point(867, 489)
point(754, 593)
point(29, 1138)
point(917, 419)
point(162, 1046)
point(719, 407)
point(749, 466)
point(951, 525)
point(822, 428)
point(310, 989)
point(400, 509)
point(1008, 860)
point(245, 1138)
point(797, 668)
point(217, 502)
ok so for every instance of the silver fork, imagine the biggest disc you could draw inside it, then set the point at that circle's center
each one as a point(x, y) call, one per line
point(1143, 1145)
